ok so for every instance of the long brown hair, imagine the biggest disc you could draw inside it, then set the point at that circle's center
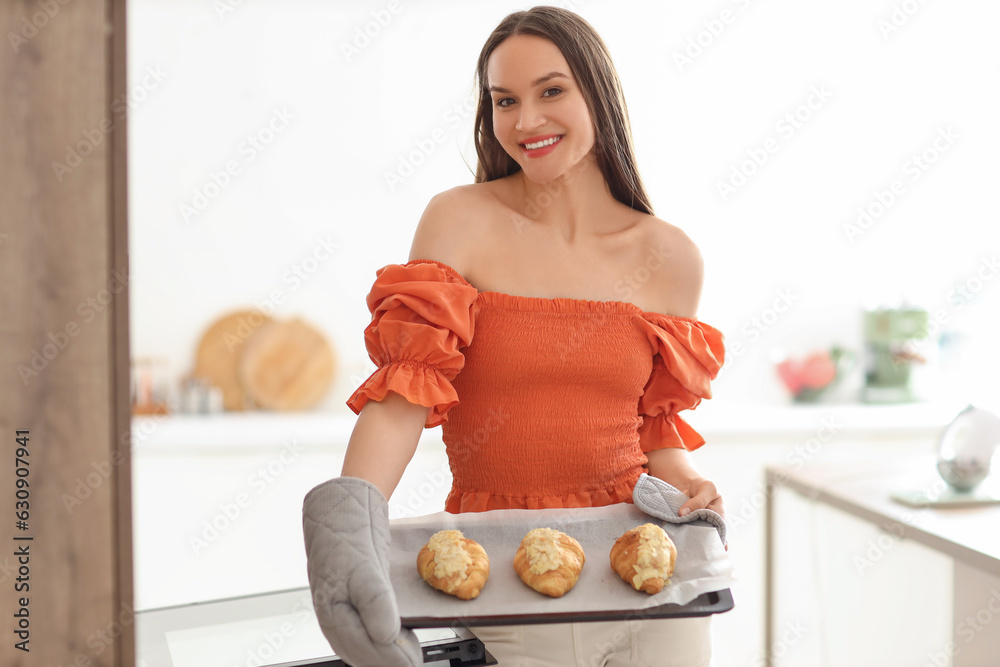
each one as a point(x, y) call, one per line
point(595, 73)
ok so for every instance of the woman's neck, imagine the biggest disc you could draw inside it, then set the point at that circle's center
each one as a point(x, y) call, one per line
point(577, 204)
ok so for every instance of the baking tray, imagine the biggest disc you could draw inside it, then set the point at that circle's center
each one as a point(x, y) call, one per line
point(706, 604)
point(699, 586)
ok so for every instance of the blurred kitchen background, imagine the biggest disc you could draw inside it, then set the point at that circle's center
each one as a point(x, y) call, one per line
point(836, 165)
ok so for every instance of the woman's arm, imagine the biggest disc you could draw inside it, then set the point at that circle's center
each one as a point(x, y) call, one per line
point(673, 466)
point(345, 523)
point(677, 288)
point(383, 441)
point(387, 431)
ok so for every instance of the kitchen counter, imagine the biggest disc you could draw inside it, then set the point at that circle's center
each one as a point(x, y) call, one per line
point(716, 420)
point(862, 488)
point(967, 536)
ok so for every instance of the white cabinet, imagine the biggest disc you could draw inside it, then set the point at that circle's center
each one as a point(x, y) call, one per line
point(859, 580)
point(217, 501)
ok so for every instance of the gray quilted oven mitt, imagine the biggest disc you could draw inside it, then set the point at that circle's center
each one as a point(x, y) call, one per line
point(346, 525)
point(657, 498)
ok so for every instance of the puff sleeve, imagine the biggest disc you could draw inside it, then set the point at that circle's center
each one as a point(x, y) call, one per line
point(687, 356)
point(423, 313)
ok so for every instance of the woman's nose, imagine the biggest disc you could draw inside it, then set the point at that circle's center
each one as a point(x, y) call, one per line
point(529, 118)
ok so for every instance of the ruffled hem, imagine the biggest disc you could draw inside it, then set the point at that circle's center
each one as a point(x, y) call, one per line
point(665, 431)
point(687, 356)
point(482, 501)
point(423, 314)
point(420, 385)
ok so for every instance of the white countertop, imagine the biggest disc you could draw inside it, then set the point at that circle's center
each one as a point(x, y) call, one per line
point(716, 420)
point(862, 488)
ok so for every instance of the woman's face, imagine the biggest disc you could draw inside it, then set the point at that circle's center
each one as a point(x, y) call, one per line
point(540, 116)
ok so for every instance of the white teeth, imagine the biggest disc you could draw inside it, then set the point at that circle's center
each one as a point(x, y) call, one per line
point(541, 144)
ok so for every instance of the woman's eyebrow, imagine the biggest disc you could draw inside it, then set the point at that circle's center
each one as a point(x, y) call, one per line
point(540, 80)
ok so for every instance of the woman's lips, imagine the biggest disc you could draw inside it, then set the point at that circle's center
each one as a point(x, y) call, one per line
point(549, 146)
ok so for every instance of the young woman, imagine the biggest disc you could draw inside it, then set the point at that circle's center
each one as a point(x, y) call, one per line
point(547, 319)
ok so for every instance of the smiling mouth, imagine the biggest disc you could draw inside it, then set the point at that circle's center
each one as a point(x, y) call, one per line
point(543, 143)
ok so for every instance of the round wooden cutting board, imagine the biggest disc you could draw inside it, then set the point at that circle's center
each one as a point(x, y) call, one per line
point(287, 365)
point(219, 352)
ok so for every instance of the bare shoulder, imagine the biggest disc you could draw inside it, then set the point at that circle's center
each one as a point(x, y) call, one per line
point(447, 225)
point(678, 282)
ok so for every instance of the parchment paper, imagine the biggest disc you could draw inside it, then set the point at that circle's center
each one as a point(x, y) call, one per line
point(702, 563)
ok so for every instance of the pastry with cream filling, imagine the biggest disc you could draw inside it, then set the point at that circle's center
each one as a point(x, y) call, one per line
point(454, 564)
point(644, 557)
point(549, 561)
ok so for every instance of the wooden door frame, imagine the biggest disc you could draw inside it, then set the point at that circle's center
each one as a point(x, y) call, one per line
point(64, 340)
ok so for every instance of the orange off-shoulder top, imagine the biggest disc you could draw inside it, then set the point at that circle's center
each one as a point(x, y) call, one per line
point(542, 402)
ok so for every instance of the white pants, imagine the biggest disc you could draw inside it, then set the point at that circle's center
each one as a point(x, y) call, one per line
point(668, 642)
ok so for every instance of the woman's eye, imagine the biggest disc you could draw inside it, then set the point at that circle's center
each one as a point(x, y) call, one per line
point(505, 102)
